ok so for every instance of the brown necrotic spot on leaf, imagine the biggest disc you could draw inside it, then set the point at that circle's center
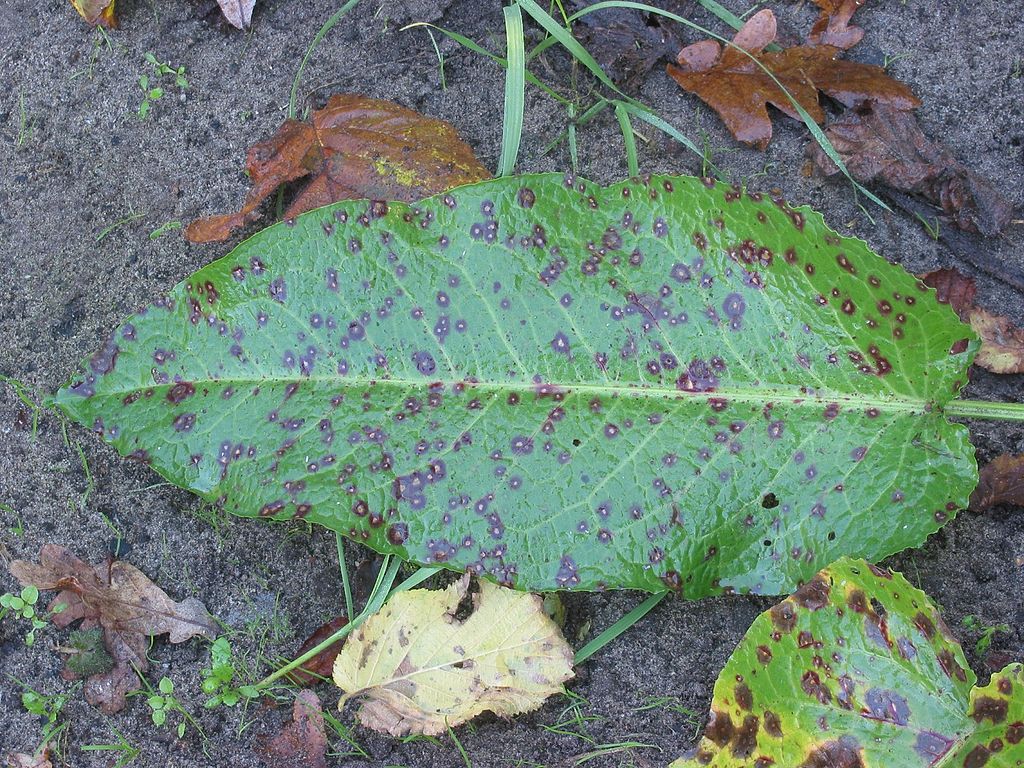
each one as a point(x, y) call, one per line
point(814, 594)
point(783, 616)
point(839, 753)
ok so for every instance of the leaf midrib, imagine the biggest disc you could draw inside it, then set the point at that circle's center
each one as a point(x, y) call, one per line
point(762, 395)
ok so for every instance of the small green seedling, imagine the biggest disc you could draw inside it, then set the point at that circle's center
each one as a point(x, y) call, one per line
point(984, 641)
point(164, 703)
point(49, 708)
point(128, 752)
point(151, 89)
point(217, 680)
point(23, 605)
point(163, 229)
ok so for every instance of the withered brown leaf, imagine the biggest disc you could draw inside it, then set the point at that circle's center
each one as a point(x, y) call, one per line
point(1001, 481)
point(320, 666)
point(626, 42)
point(303, 742)
point(355, 147)
point(952, 287)
point(97, 12)
point(883, 143)
point(833, 25)
point(120, 599)
point(739, 89)
point(1002, 343)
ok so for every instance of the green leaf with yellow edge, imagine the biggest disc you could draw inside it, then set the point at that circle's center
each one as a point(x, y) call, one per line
point(858, 669)
point(668, 383)
point(418, 667)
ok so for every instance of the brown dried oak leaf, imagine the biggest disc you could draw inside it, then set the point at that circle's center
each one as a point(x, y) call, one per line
point(739, 89)
point(354, 148)
point(884, 143)
point(1001, 481)
point(1002, 343)
point(303, 742)
point(97, 12)
point(833, 25)
point(121, 600)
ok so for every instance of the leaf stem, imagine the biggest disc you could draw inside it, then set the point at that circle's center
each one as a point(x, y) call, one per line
point(983, 409)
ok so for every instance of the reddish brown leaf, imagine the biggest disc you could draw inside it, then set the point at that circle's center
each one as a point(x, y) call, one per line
point(953, 288)
point(303, 742)
point(1001, 481)
point(356, 147)
point(737, 87)
point(97, 12)
point(1002, 343)
point(833, 25)
point(121, 600)
point(321, 665)
point(884, 143)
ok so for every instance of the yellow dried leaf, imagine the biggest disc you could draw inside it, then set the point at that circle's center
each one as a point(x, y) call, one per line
point(419, 669)
point(97, 12)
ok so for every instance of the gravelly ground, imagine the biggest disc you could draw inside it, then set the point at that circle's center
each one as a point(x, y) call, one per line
point(76, 160)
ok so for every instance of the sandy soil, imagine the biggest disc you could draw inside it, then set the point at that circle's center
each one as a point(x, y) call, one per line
point(77, 160)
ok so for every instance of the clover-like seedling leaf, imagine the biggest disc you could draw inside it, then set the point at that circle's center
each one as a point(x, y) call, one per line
point(666, 383)
point(857, 668)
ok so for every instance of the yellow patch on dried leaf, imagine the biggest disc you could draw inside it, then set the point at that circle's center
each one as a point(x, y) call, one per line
point(417, 668)
point(97, 12)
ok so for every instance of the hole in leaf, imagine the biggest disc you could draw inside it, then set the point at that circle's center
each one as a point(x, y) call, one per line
point(878, 608)
point(770, 501)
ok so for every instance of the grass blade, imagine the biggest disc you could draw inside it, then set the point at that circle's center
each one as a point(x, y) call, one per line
point(618, 627)
point(622, 115)
point(515, 90)
point(321, 33)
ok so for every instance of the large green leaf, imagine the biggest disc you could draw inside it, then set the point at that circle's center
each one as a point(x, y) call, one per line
point(667, 382)
point(858, 669)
